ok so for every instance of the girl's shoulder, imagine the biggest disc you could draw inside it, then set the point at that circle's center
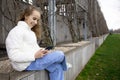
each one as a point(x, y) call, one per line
point(17, 30)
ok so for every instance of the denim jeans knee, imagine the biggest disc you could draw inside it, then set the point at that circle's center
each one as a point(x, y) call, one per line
point(60, 53)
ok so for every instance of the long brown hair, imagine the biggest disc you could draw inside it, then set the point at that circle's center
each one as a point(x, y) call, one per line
point(27, 12)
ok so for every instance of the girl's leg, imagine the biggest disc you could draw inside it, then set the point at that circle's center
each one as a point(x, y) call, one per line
point(48, 60)
point(58, 73)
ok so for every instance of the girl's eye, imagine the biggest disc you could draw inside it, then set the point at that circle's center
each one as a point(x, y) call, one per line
point(34, 18)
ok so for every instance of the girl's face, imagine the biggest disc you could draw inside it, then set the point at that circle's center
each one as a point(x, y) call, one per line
point(33, 19)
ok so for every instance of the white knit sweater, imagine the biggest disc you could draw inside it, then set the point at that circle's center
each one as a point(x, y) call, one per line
point(21, 45)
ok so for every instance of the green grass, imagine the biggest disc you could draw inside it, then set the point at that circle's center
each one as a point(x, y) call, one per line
point(105, 63)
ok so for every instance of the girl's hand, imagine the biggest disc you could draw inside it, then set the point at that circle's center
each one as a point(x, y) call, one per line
point(40, 53)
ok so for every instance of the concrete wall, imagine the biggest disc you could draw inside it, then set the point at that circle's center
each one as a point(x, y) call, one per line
point(78, 58)
point(62, 30)
point(99, 40)
point(63, 33)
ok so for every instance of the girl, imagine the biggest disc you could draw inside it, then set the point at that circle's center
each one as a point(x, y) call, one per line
point(24, 52)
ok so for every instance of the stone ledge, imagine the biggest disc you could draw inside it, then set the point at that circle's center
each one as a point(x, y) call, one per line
point(19, 75)
point(70, 46)
point(5, 66)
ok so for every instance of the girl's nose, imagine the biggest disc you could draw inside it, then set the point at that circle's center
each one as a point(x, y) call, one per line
point(35, 22)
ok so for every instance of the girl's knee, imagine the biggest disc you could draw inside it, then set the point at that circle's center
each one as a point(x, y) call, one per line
point(60, 53)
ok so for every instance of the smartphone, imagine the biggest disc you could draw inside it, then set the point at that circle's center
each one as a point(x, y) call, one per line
point(49, 48)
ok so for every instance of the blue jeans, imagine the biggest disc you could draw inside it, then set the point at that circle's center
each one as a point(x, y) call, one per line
point(53, 62)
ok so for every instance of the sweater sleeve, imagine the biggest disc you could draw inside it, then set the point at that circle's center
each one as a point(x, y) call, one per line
point(14, 43)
